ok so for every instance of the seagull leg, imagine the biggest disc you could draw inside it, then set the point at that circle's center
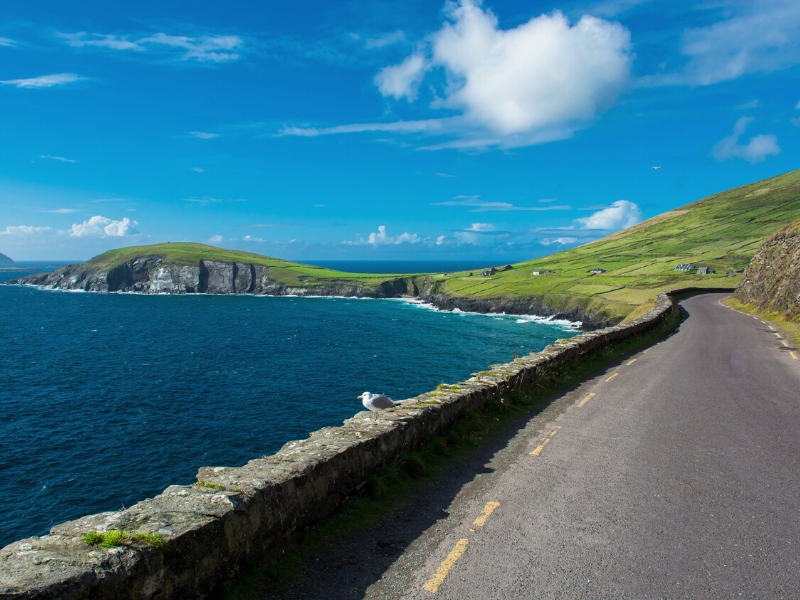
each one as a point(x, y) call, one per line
point(373, 416)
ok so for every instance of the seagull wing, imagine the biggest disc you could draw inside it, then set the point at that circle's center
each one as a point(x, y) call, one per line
point(382, 402)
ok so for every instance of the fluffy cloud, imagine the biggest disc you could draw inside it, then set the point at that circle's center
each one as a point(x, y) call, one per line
point(104, 227)
point(21, 230)
point(402, 80)
point(542, 74)
point(216, 239)
point(44, 81)
point(480, 227)
point(381, 238)
point(753, 152)
point(758, 36)
point(619, 215)
point(207, 48)
point(559, 240)
point(534, 83)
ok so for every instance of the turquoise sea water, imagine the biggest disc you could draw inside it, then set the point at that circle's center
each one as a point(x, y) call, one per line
point(106, 399)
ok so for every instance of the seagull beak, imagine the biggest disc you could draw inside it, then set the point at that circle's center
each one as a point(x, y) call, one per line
point(361, 396)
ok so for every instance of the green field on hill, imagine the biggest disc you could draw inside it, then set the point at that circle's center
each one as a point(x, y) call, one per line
point(722, 232)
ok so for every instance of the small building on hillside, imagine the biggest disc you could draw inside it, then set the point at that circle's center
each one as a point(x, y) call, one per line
point(489, 272)
point(684, 267)
point(705, 271)
point(507, 268)
point(597, 271)
point(542, 272)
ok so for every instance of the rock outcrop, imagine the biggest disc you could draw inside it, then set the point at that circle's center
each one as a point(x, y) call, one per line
point(152, 275)
point(772, 279)
point(5, 260)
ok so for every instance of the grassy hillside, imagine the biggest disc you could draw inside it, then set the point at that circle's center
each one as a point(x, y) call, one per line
point(722, 231)
point(184, 253)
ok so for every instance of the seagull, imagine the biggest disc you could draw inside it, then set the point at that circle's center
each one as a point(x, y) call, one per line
point(657, 168)
point(375, 403)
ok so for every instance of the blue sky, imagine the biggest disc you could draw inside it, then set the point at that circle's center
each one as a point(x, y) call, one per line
point(382, 130)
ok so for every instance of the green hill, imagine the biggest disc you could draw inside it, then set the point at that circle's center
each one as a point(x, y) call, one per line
point(722, 231)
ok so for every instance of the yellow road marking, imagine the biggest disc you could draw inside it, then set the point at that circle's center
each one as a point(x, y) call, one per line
point(794, 356)
point(612, 377)
point(549, 437)
point(770, 326)
point(630, 363)
point(778, 335)
point(448, 563)
point(487, 512)
point(784, 343)
point(585, 400)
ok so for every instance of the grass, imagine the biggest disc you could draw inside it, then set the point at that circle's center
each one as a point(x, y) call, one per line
point(722, 231)
point(392, 488)
point(209, 484)
point(790, 326)
point(114, 538)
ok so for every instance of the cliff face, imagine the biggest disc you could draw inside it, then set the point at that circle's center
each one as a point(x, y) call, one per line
point(152, 275)
point(772, 280)
point(149, 275)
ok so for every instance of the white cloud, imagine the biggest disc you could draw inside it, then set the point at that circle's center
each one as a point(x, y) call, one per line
point(58, 158)
point(197, 169)
point(61, 211)
point(441, 240)
point(402, 80)
point(619, 215)
point(20, 230)
point(447, 176)
point(216, 239)
point(543, 73)
point(559, 240)
point(531, 84)
point(755, 151)
point(747, 105)
point(204, 201)
point(44, 81)
point(204, 135)
point(250, 238)
point(7, 42)
point(480, 227)
point(479, 205)
point(381, 238)
point(387, 39)
point(207, 48)
point(104, 227)
point(757, 37)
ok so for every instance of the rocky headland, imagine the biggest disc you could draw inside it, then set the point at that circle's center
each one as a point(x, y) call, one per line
point(772, 279)
point(5, 260)
point(156, 274)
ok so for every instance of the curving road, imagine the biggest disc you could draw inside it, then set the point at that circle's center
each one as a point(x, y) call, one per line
point(674, 474)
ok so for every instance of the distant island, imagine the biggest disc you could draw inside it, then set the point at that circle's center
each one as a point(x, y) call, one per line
point(5, 260)
point(704, 244)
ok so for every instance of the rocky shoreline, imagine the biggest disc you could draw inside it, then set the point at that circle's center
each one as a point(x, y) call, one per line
point(151, 275)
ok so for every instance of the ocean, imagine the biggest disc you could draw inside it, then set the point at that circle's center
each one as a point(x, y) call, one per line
point(106, 399)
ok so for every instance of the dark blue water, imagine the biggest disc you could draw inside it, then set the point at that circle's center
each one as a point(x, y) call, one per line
point(106, 399)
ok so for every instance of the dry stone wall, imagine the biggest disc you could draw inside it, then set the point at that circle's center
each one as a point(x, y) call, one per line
point(256, 511)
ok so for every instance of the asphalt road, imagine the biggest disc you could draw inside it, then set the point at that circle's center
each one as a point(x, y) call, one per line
point(673, 474)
